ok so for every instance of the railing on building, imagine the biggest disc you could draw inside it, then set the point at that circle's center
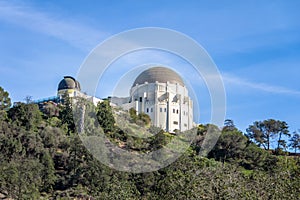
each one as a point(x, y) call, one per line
point(48, 99)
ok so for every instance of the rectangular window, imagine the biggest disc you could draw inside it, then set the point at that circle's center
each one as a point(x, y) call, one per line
point(173, 110)
point(185, 125)
point(165, 109)
point(175, 122)
point(177, 111)
point(147, 110)
point(161, 88)
point(151, 109)
point(141, 99)
point(160, 109)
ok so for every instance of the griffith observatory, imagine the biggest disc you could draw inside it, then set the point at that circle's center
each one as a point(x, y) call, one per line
point(158, 92)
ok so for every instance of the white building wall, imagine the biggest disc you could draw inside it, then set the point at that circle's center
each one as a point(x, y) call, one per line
point(167, 104)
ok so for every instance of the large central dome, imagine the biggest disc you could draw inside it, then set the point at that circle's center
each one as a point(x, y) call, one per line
point(159, 74)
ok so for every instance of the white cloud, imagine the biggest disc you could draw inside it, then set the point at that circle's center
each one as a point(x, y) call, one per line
point(76, 34)
point(231, 79)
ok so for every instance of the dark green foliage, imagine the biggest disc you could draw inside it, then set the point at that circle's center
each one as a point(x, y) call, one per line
point(133, 115)
point(261, 132)
point(66, 114)
point(48, 177)
point(21, 178)
point(105, 116)
point(5, 102)
point(229, 125)
point(142, 119)
point(295, 141)
point(26, 115)
point(50, 109)
point(230, 145)
point(26, 165)
point(40, 159)
point(254, 157)
point(160, 140)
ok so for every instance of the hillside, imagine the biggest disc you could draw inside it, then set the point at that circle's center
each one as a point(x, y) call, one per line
point(43, 157)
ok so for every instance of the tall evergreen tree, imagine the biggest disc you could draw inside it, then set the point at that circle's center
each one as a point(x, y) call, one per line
point(66, 114)
point(5, 101)
point(105, 116)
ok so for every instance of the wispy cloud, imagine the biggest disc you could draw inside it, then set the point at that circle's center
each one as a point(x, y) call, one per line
point(231, 79)
point(76, 34)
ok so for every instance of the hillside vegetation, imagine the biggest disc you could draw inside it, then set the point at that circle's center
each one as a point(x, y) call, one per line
point(42, 157)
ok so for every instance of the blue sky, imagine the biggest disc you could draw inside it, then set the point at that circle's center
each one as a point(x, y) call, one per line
point(255, 45)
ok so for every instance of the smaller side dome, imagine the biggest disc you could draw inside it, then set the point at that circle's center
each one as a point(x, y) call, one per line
point(68, 83)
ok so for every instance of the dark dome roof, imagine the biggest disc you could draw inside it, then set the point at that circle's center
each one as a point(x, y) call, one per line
point(160, 74)
point(68, 83)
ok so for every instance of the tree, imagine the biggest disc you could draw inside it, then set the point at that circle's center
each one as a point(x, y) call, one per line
point(27, 115)
point(141, 119)
point(105, 116)
point(228, 125)
point(144, 118)
point(66, 113)
point(282, 129)
point(48, 177)
point(133, 115)
point(261, 132)
point(5, 101)
point(230, 145)
point(295, 141)
point(50, 109)
point(28, 99)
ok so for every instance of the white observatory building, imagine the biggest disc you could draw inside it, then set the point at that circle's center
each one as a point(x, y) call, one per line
point(158, 91)
point(161, 93)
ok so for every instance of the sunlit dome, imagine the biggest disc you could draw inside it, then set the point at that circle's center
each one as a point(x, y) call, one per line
point(159, 74)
